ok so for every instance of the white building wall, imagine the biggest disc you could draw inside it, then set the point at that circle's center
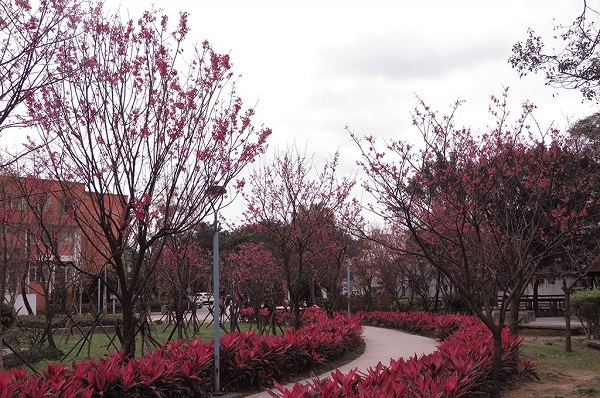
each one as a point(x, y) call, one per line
point(545, 288)
point(20, 305)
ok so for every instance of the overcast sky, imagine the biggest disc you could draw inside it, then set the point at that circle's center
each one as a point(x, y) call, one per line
point(315, 67)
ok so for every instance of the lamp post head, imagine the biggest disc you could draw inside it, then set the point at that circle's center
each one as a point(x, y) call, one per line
point(216, 190)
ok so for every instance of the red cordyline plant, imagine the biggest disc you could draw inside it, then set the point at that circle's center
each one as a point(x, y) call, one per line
point(485, 209)
point(278, 316)
point(184, 368)
point(281, 315)
point(149, 132)
point(460, 367)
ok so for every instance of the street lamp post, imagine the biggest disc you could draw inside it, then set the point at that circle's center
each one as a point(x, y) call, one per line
point(102, 308)
point(99, 294)
point(348, 285)
point(216, 191)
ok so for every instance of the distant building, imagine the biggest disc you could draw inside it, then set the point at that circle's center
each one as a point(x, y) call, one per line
point(42, 245)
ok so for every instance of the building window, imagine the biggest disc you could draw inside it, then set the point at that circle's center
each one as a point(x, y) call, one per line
point(66, 237)
point(67, 205)
point(35, 272)
point(15, 237)
point(17, 204)
point(45, 202)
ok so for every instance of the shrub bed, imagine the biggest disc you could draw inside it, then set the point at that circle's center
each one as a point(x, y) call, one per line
point(461, 366)
point(35, 354)
point(184, 368)
point(422, 323)
point(39, 321)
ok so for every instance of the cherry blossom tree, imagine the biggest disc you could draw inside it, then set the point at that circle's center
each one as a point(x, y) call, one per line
point(364, 272)
point(149, 132)
point(13, 251)
point(181, 266)
point(292, 203)
point(484, 210)
point(389, 266)
point(328, 258)
point(257, 276)
point(32, 35)
point(53, 243)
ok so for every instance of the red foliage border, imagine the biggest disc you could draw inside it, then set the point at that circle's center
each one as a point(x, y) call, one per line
point(185, 368)
point(460, 367)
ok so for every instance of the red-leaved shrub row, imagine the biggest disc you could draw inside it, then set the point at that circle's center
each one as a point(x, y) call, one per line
point(422, 323)
point(185, 368)
point(461, 366)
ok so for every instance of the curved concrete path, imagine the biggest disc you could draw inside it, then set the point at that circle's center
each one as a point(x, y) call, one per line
point(381, 346)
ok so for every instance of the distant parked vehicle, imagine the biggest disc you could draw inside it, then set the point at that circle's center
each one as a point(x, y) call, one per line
point(198, 301)
point(204, 298)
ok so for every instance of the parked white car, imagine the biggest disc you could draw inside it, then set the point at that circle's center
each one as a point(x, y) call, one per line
point(204, 298)
point(198, 301)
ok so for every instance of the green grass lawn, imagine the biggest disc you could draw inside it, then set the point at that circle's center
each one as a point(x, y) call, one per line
point(550, 354)
point(104, 343)
point(100, 343)
point(562, 374)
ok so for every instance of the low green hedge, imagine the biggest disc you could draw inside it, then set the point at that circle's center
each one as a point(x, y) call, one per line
point(586, 305)
point(39, 321)
point(33, 355)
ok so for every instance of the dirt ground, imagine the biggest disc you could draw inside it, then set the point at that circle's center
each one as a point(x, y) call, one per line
point(562, 375)
point(559, 385)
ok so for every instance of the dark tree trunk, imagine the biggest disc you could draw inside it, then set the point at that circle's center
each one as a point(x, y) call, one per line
point(312, 288)
point(567, 314)
point(295, 307)
point(259, 323)
point(297, 315)
point(536, 304)
point(48, 332)
point(496, 362)
point(25, 301)
point(437, 292)
point(513, 321)
point(129, 329)
point(234, 311)
point(180, 306)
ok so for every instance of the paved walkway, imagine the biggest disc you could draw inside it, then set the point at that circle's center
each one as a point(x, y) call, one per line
point(554, 322)
point(381, 346)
